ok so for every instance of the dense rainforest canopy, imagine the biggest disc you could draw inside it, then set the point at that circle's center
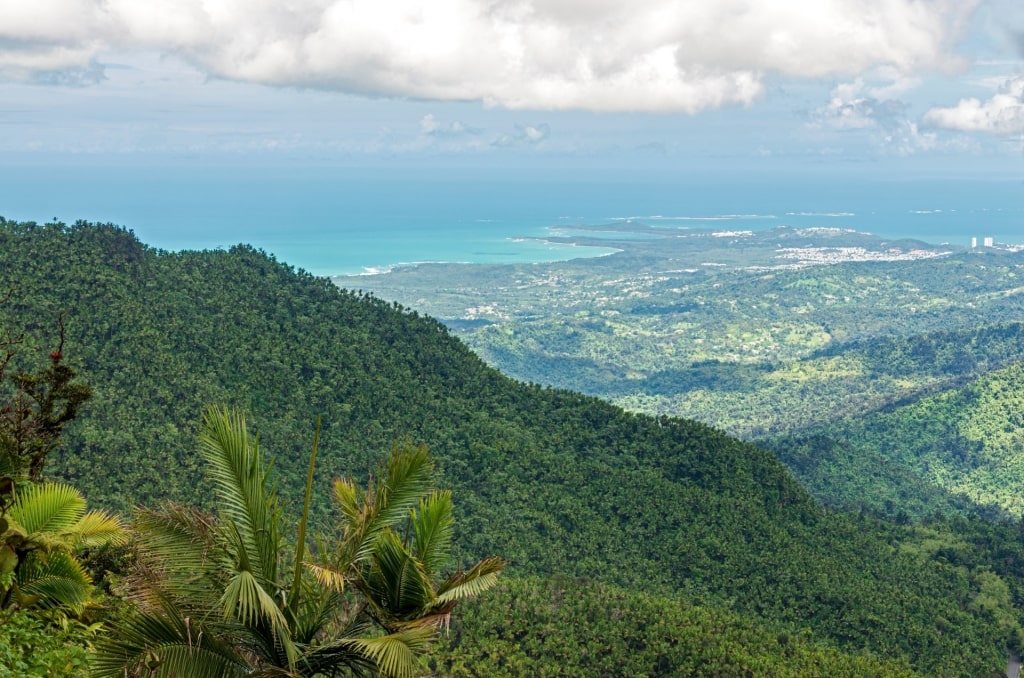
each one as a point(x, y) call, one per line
point(588, 503)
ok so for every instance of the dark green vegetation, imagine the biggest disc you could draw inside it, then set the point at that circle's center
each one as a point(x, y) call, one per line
point(726, 330)
point(530, 628)
point(665, 515)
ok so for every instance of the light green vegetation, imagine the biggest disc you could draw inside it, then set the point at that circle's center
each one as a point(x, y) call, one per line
point(33, 648)
point(967, 440)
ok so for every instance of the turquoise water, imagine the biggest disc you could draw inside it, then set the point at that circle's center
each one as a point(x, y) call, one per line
point(349, 222)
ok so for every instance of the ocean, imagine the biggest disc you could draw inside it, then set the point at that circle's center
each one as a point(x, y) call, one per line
point(349, 222)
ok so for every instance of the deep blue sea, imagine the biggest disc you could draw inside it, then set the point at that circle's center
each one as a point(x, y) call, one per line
point(333, 222)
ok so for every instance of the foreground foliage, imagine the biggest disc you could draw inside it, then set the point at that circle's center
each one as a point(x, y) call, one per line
point(35, 407)
point(43, 525)
point(214, 597)
point(40, 534)
point(33, 648)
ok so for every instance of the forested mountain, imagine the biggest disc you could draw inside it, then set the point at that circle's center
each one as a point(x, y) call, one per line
point(967, 441)
point(597, 504)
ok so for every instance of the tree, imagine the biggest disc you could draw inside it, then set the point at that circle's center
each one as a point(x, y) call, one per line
point(214, 597)
point(399, 577)
point(41, 405)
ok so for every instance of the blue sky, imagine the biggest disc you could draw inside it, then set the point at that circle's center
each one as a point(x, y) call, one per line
point(890, 86)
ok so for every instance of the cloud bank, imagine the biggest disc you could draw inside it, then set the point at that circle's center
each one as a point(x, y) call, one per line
point(856, 105)
point(861, 107)
point(602, 55)
point(1002, 114)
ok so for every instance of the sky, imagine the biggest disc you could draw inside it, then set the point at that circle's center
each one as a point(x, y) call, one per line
point(888, 87)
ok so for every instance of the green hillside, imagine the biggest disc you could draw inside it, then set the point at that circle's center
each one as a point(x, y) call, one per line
point(966, 441)
point(843, 379)
point(558, 483)
point(530, 628)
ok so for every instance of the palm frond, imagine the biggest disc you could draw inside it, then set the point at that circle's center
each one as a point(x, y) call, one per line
point(48, 508)
point(320, 610)
point(407, 479)
point(165, 645)
point(350, 498)
point(244, 495)
point(334, 657)
point(56, 579)
point(180, 559)
point(328, 577)
point(176, 536)
point(246, 601)
point(395, 581)
point(223, 574)
point(99, 528)
point(433, 525)
point(397, 654)
point(385, 504)
point(472, 582)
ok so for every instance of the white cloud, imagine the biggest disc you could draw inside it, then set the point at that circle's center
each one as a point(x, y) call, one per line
point(906, 139)
point(524, 135)
point(1002, 114)
point(858, 105)
point(431, 126)
point(607, 55)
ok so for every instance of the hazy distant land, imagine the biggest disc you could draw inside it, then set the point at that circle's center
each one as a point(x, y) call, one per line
point(649, 262)
point(627, 326)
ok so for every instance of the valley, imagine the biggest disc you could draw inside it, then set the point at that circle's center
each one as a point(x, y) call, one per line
point(773, 336)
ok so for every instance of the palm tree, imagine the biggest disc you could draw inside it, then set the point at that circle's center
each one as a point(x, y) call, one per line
point(40, 534)
point(214, 597)
point(399, 577)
